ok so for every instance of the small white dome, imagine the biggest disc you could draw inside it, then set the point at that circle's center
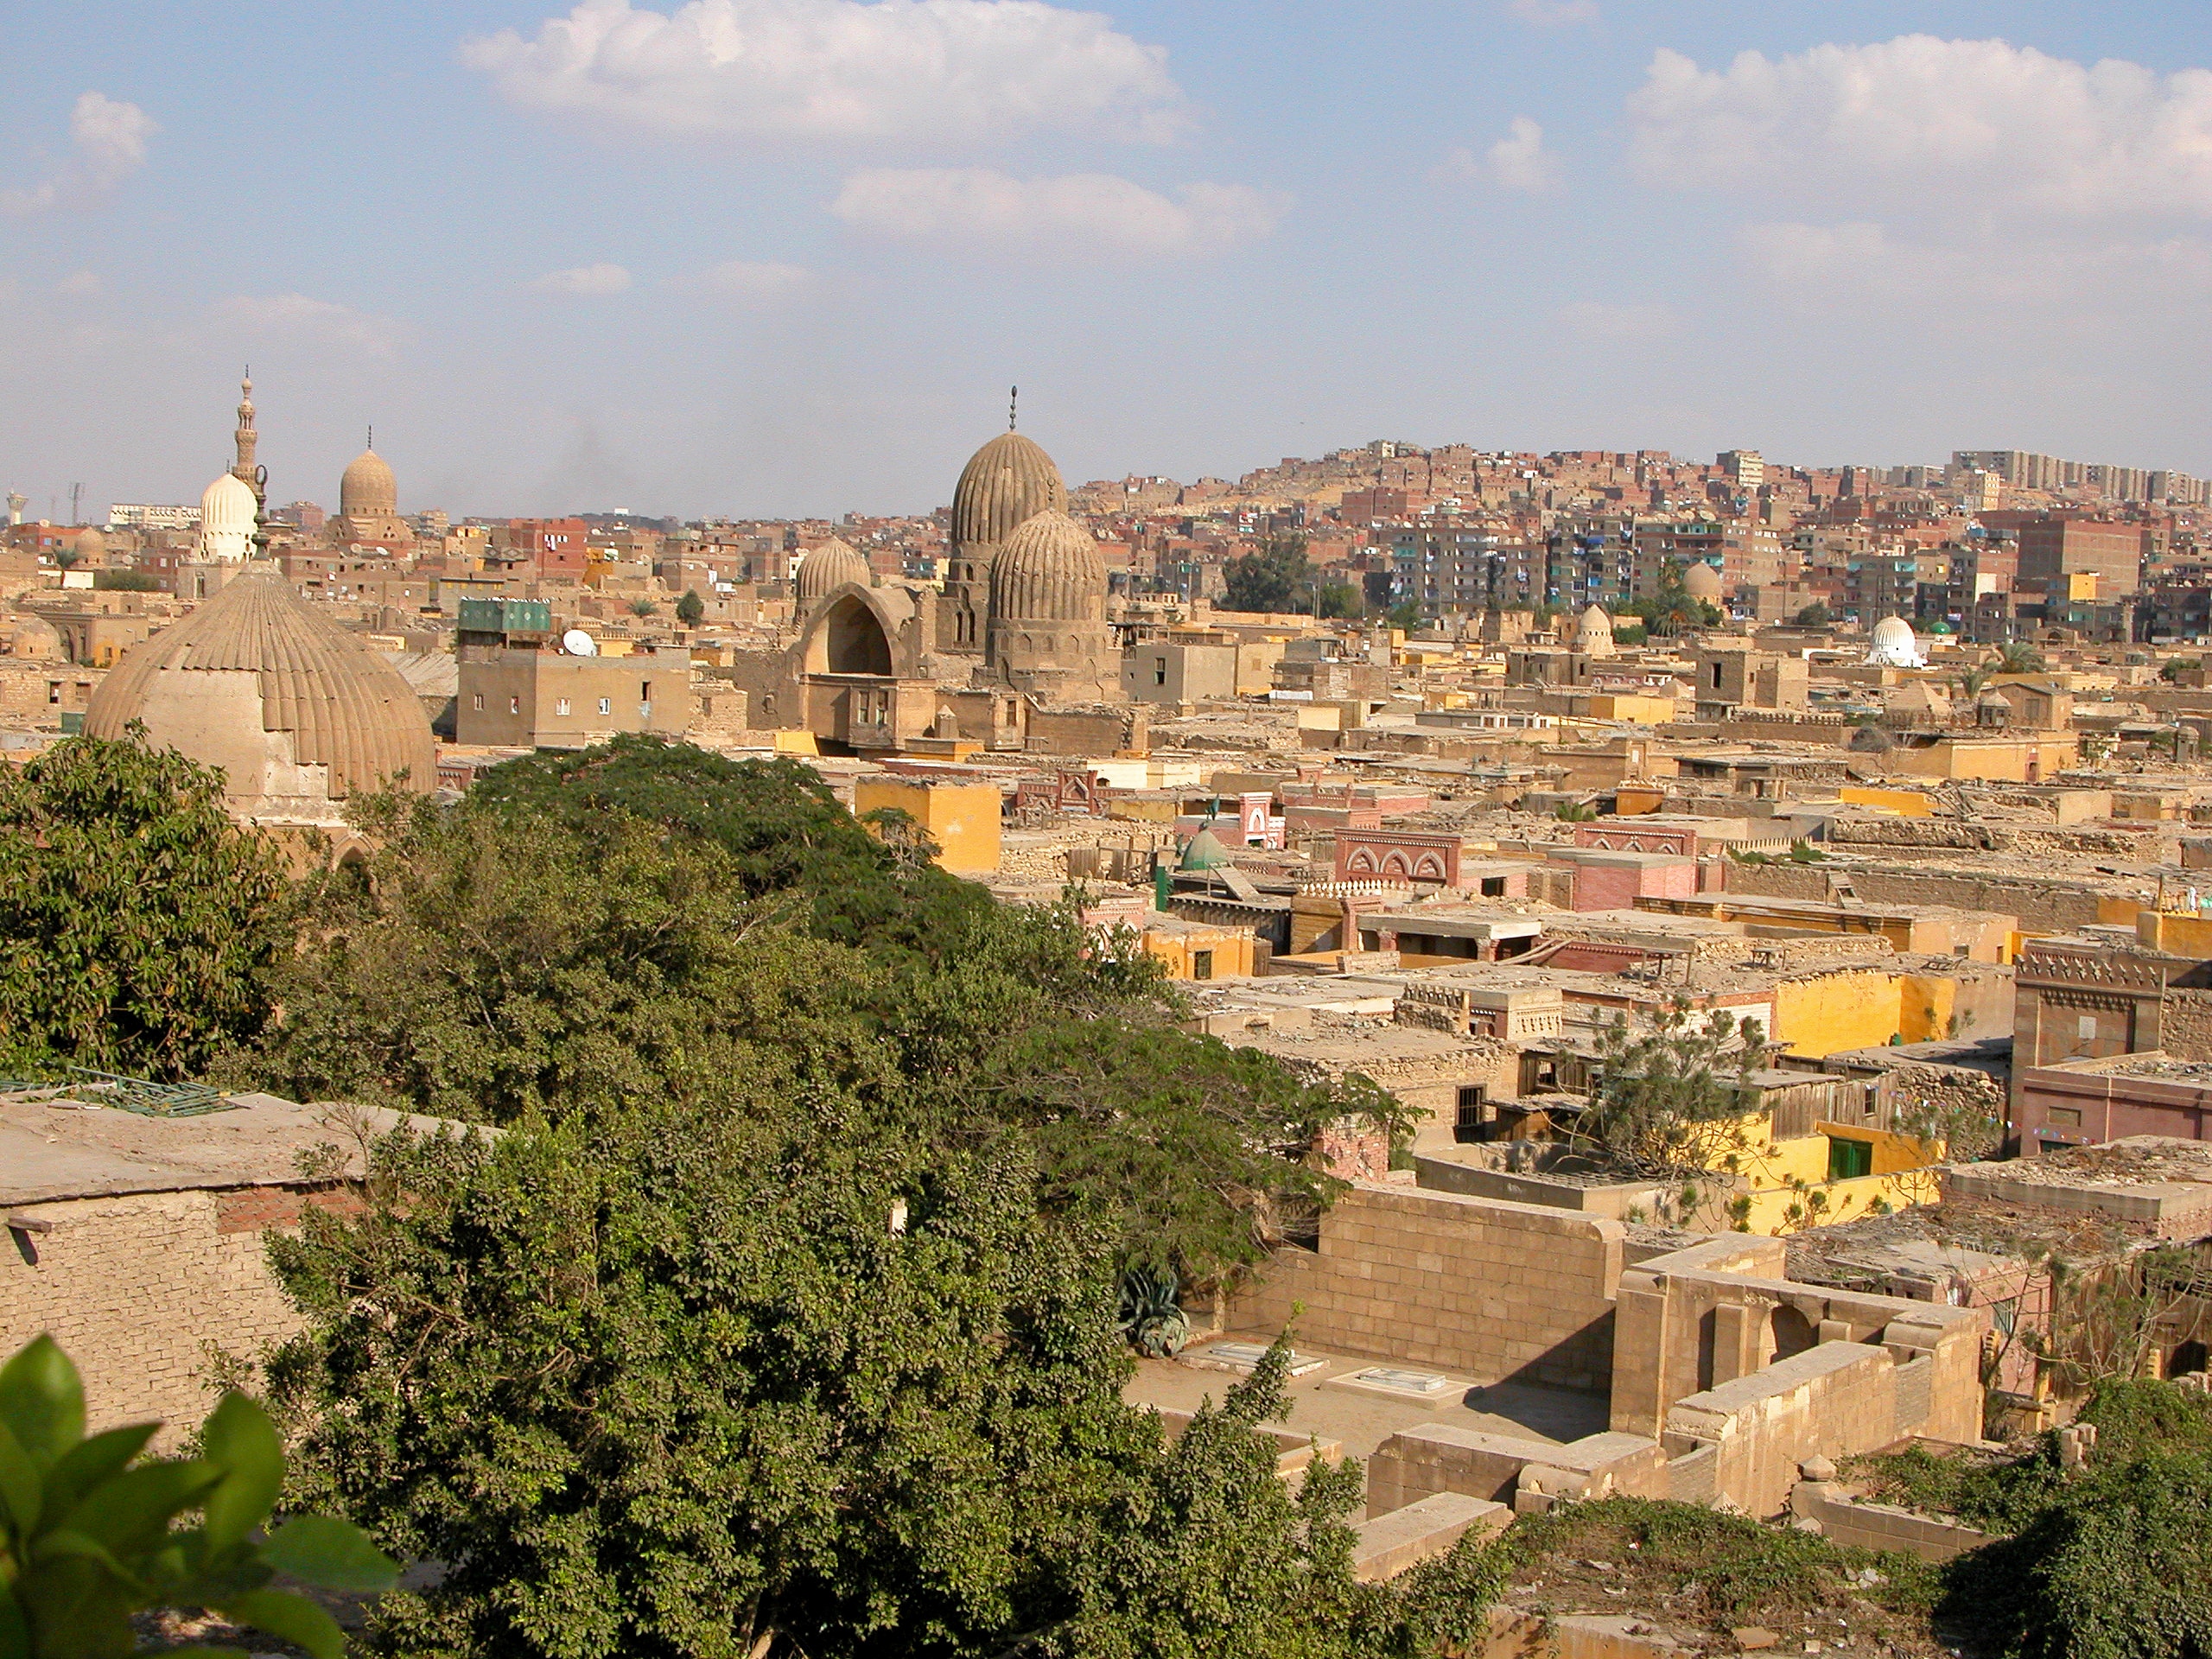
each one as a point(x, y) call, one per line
point(227, 510)
point(1894, 646)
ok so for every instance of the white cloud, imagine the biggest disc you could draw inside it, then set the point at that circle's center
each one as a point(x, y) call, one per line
point(1822, 267)
point(1598, 320)
point(585, 281)
point(296, 315)
point(109, 138)
point(1519, 161)
point(745, 281)
point(1552, 14)
point(1083, 214)
point(840, 70)
point(1984, 124)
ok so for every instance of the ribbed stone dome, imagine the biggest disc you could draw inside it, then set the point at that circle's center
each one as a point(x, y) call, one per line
point(1893, 644)
point(296, 711)
point(1005, 483)
point(1049, 570)
point(227, 512)
point(368, 487)
point(90, 544)
point(826, 569)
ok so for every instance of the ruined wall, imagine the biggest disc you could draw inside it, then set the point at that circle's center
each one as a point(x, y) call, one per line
point(137, 1289)
point(2048, 907)
point(1481, 1289)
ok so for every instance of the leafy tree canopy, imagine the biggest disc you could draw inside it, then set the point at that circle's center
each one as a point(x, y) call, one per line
point(1274, 577)
point(138, 920)
point(690, 607)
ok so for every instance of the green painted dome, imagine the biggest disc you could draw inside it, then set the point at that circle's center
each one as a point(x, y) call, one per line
point(1205, 852)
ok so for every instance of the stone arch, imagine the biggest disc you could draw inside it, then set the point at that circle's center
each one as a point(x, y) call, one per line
point(849, 638)
point(1393, 863)
point(1428, 868)
point(1793, 1333)
point(1361, 862)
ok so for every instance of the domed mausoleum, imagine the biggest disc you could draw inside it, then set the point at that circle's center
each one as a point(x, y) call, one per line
point(826, 569)
point(227, 512)
point(1593, 634)
point(1702, 581)
point(298, 712)
point(1048, 630)
point(368, 502)
point(1005, 483)
point(1894, 646)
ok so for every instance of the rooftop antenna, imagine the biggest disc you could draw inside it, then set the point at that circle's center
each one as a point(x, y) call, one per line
point(1013, 400)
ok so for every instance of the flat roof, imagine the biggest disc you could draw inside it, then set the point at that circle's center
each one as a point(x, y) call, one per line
point(58, 1148)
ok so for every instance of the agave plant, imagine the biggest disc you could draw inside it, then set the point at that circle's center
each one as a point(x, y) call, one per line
point(90, 1533)
point(1152, 1318)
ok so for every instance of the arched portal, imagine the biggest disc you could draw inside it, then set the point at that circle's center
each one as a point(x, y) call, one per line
point(854, 640)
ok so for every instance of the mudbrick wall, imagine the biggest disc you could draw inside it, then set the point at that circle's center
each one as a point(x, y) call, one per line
point(2041, 906)
point(145, 1292)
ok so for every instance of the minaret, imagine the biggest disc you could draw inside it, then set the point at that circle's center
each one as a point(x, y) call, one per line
point(245, 471)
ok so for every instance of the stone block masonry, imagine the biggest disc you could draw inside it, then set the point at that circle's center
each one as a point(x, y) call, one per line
point(1483, 1289)
point(143, 1290)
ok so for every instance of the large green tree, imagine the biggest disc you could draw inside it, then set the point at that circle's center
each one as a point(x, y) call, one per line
point(137, 920)
point(1273, 577)
point(690, 1383)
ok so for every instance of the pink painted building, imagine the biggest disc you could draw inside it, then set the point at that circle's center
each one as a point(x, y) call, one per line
point(1610, 880)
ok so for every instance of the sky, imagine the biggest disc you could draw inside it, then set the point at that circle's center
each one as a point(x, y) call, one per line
point(778, 257)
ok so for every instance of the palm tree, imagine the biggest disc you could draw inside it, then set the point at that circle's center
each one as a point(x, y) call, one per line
point(2017, 658)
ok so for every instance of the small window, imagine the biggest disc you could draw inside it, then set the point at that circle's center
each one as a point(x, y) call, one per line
point(1201, 964)
point(646, 691)
point(1467, 1122)
point(1159, 671)
point(514, 705)
point(561, 707)
point(1716, 677)
point(1849, 1160)
point(2085, 1028)
point(607, 705)
point(480, 702)
point(1493, 887)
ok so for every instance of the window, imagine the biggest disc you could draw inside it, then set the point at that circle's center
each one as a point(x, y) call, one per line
point(480, 702)
point(514, 705)
point(2085, 1028)
point(1848, 1158)
point(54, 690)
point(646, 691)
point(561, 707)
point(607, 705)
point(2063, 1117)
point(1467, 1125)
point(1716, 677)
point(1493, 887)
point(1201, 964)
point(1159, 671)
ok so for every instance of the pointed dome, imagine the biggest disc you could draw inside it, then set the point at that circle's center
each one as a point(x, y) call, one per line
point(1049, 570)
point(227, 512)
point(368, 488)
point(1593, 634)
point(1005, 483)
point(1204, 852)
point(825, 568)
point(297, 712)
point(1702, 581)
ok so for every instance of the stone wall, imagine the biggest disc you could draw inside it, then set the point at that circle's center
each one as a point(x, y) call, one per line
point(2041, 906)
point(140, 1290)
point(1483, 1290)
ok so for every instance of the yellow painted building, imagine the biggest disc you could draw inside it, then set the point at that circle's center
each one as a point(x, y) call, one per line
point(1840, 1172)
point(1198, 950)
point(963, 819)
point(1853, 1009)
point(1905, 803)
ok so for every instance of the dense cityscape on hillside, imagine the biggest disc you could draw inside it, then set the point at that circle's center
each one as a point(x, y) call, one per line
point(1429, 1051)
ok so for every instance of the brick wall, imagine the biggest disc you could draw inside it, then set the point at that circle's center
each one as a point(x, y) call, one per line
point(1481, 1289)
point(137, 1289)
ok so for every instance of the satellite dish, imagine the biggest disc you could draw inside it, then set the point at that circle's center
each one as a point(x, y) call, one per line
point(577, 643)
